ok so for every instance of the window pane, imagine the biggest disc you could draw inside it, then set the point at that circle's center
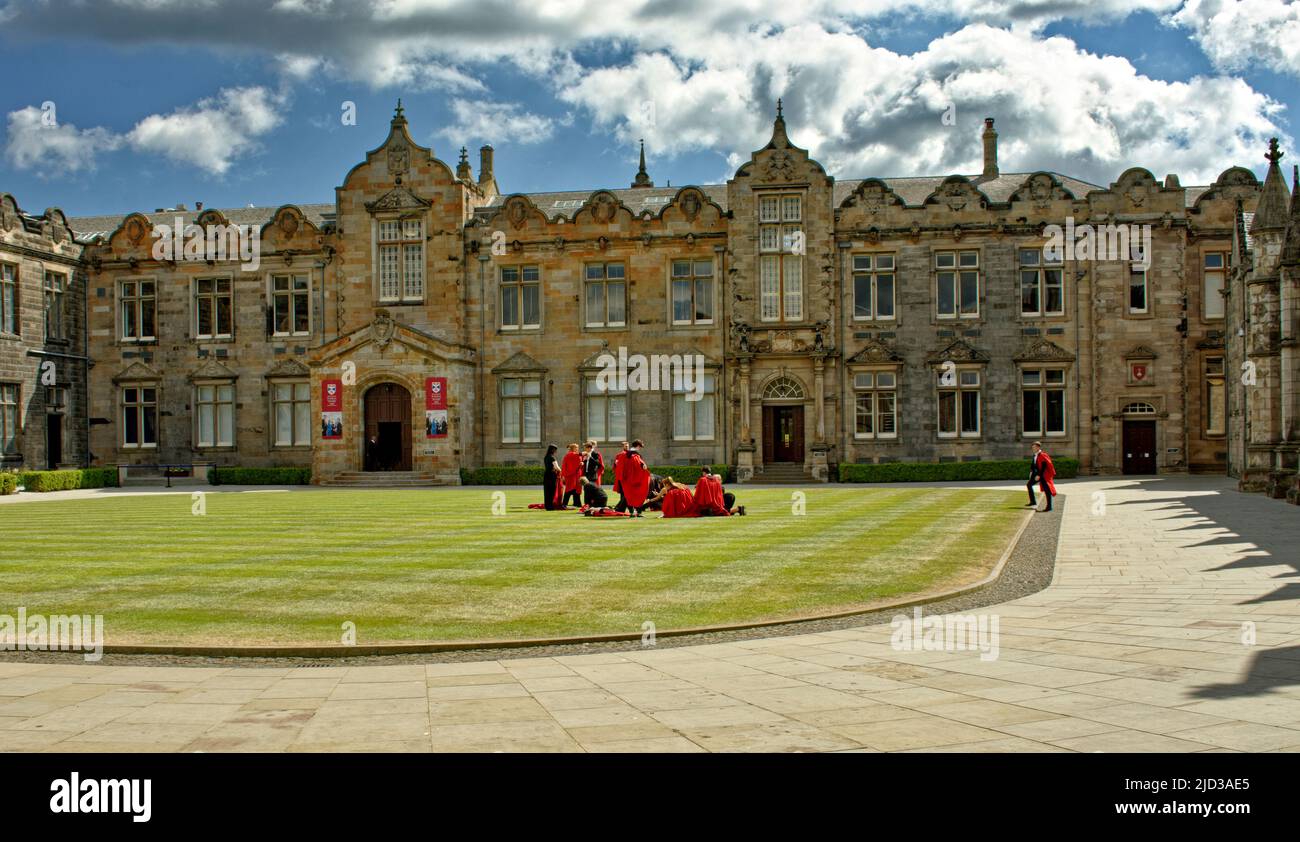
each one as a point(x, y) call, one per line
point(703, 300)
point(970, 293)
point(947, 303)
point(302, 423)
point(769, 289)
point(301, 314)
point(885, 413)
point(532, 305)
point(884, 261)
point(147, 307)
point(1029, 292)
point(885, 380)
point(970, 412)
point(1055, 411)
point(1214, 295)
point(1031, 378)
point(617, 417)
point(595, 271)
point(704, 268)
point(793, 281)
point(970, 258)
point(682, 301)
point(225, 424)
point(532, 387)
point(970, 378)
point(1054, 290)
point(862, 296)
point(885, 296)
point(681, 268)
point(614, 271)
point(683, 416)
point(284, 423)
point(595, 303)
point(945, 260)
point(596, 418)
point(223, 315)
point(531, 273)
point(532, 419)
point(1028, 257)
point(1032, 421)
point(947, 412)
point(1137, 292)
point(704, 417)
point(865, 423)
point(614, 292)
point(1056, 376)
point(205, 316)
point(414, 272)
point(205, 424)
point(510, 409)
point(864, 380)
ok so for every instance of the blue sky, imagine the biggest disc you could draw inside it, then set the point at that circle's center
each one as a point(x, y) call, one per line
point(155, 104)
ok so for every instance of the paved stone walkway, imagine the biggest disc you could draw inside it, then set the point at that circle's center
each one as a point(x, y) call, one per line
point(1137, 646)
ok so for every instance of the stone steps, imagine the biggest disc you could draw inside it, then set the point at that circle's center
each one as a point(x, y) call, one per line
point(383, 479)
point(782, 474)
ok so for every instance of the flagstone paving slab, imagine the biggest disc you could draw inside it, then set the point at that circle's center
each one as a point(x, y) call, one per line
point(1137, 645)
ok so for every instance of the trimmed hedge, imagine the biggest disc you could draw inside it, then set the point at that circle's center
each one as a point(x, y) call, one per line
point(1066, 468)
point(532, 474)
point(70, 480)
point(8, 484)
point(259, 476)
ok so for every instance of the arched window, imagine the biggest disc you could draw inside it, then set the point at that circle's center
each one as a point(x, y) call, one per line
point(783, 388)
point(1139, 408)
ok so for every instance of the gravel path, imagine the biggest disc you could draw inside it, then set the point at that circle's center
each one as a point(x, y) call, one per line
point(1028, 570)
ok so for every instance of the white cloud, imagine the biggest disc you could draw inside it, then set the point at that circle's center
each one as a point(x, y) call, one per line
point(49, 147)
point(214, 131)
point(496, 122)
point(1239, 34)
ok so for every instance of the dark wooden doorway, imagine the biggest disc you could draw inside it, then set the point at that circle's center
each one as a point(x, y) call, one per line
point(783, 434)
point(388, 428)
point(1139, 447)
point(53, 441)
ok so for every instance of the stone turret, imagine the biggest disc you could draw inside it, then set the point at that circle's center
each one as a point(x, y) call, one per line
point(642, 177)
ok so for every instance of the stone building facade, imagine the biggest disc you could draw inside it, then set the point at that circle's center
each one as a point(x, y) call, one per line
point(427, 321)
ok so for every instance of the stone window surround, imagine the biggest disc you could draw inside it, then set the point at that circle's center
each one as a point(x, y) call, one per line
point(121, 388)
point(712, 371)
point(957, 318)
point(117, 311)
point(897, 370)
point(501, 441)
point(601, 326)
point(271, 383)
point(1042, 315)
point(781, 194)
point(714, 285)
point(375, 243)
point(194, 307)
point(958, 435)
point(234, 415)
point(1021, 388)
point(270, 301)
point(18, 301)
point(63, 291)
point(1226, 251)
point(851, 289)
point(541, 299)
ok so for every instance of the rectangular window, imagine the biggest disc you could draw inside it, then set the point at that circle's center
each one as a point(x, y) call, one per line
point(214, 415)
point(1216, 398)
point(55, 286)
point(401, 260)
point(692, 282)
point(139, 416)
point(876, 398)
point(606, 412)
point(291, 305)
point(9, 418)
point(137, 306)
point(781, 241)
point(693, 420)
point(959, 406)
point(213, 308)
point(521, 410)
point(9, 299)
point(1139, 296)
point(873, 287)
point(1216, 268)
point(957, 293)
point(606, 295)
point(521, 306)
point(1042, 285)
point(291, 409)
point(1042, 402)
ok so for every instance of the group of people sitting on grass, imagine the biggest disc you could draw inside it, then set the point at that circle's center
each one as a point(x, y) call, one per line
point(579, 476)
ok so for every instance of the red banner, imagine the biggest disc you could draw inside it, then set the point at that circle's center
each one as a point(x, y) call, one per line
point(435, 407)
point(331, 409)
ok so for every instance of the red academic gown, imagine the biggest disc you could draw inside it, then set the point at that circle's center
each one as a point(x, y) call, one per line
point(708, 497)
point(1046, 471)
point(570, 471)
point(679, 503)
point(634, 482)
point(618, 469)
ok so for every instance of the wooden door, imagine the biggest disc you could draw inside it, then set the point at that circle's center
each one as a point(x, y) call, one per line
point(783, 434)
point(1139, 447)
point(388, 428)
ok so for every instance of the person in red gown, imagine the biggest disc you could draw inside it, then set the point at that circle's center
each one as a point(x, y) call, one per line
point(1044, 472)
point(708, 497)
point(618, 475)
point(634, 480)
point(570, 473)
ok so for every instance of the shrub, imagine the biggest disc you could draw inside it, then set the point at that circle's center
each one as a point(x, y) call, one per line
point(259, 476)
point(532, 474)
point(1066, 468)
point(8, 484)
point(70, 480)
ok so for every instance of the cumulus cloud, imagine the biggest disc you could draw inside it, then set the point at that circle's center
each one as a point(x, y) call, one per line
point(705, 76)
point(37, 141)
point(496, 121)
point(210, 134)
point(1239, 34)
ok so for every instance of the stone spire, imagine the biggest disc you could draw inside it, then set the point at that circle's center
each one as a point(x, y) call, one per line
point(1291, 242)
point(399, 114)
point(1271, 212)
point(779, 139)
point(642, 177)
point(462, 169)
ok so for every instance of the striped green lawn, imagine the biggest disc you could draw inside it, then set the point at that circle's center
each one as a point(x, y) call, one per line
point(292, 567)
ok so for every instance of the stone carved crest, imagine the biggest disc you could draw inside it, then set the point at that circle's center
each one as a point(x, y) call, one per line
point(288, 224)
point(383, 328)
point(876, 351)
point(517, 213)
point(603, 208)
point(955, 194)
point(1042, 349)
point(872, 197)
point(780, 167)
point(691, 206)
point(399, 159)
point(135, 230)
point(1040, 189)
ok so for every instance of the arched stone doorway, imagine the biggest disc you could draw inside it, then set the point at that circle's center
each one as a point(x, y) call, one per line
point(388, 428)
point(783, 427)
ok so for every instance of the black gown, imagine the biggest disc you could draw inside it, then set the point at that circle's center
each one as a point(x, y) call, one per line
point(549, 480)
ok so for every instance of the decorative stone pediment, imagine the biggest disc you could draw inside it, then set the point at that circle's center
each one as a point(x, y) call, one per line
point(398, 199)
point(871, 196)
point(212, 370)
point(692, 203)
point(1136, 185)
point(9, 214)
point(780, 161)
point(959, 351)
point(519, 363)
point(1141, 352)
point(875, 352)
point(137, 371)
point(602, 207)
point(958, 193)
point(288, 368)
point(1237, 183)
point(1041, 188)
point(1042, 350)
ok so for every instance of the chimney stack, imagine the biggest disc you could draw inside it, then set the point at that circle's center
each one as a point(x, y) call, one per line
point(990, 149)
point(485, 164)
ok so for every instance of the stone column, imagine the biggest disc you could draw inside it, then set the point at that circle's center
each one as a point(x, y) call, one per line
point(819, 403)
point(745, 447)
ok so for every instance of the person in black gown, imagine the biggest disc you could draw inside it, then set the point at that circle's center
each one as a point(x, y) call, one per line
point(551, 478)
